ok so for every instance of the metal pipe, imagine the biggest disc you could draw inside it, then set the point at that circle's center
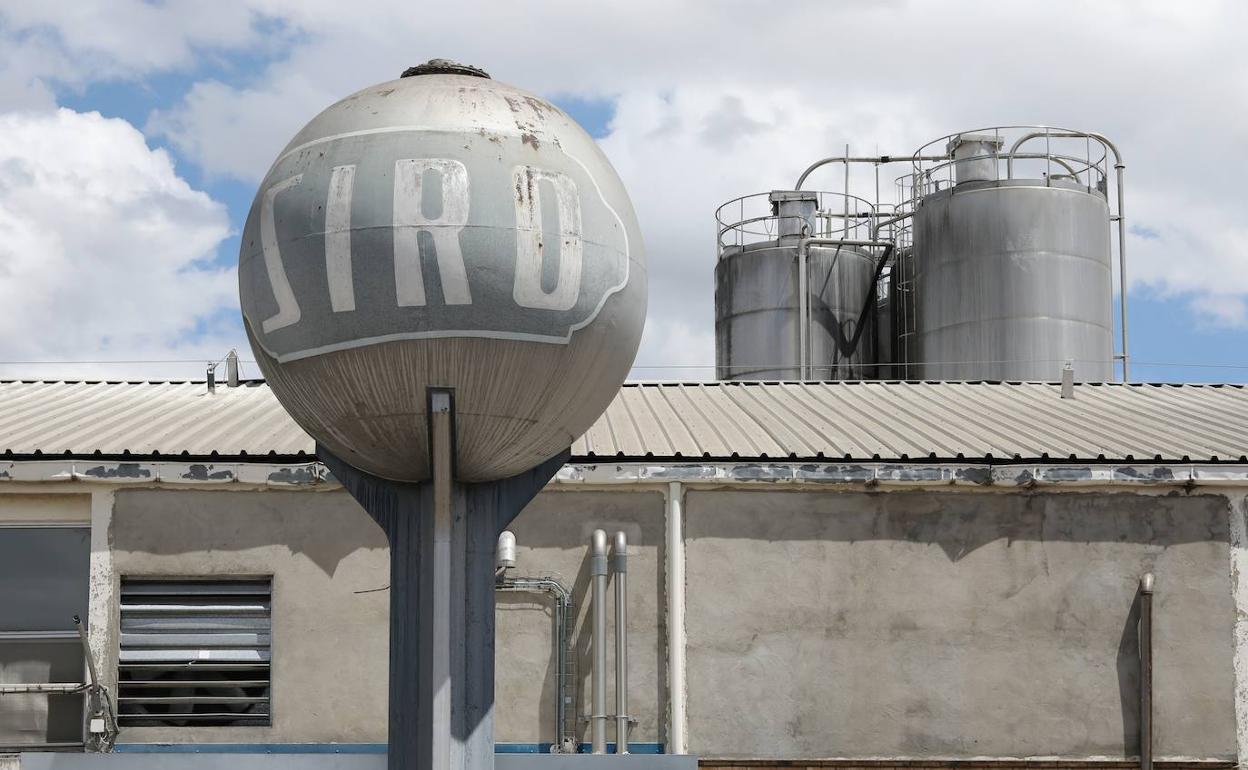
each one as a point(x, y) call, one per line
point(1119, 168)
point(674, 546)
point(598, 677)
point(231, 369)
point(563, 613)
point(875, 228)
point(803, 300)
point(58, 688)
point(619, 566)
point(1146, 671)
point(803, 312)
point(86, 651)
point(877, 159)
point(845, 199)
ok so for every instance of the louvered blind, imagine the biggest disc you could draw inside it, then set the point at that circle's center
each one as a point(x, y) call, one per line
point(194, 652)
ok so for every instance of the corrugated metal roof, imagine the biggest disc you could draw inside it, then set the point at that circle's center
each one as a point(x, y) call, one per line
point(777, 421)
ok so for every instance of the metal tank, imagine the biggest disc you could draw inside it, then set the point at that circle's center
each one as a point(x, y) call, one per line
point(1011, 267)
point(759, 332)
point(443, 230)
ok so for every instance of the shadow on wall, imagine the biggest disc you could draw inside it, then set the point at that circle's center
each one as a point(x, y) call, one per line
point(994, 622)
point(554, 532)
point(326, 527)
point(1128, 665)
point(961, 523)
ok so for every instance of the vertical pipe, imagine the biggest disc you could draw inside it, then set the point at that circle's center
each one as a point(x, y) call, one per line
point(443, 519)
point(1146, 672)
point(231, 369)
point(619, 568)
point(803, 312)
point(675, 572)
point(563, 613)
point(1122, 270)
point(598, 677)
point(846, 191)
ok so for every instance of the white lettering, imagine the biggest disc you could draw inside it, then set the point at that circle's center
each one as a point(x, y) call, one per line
point(409, 221)
point(531, 248)
point(338, 239)
point(287, 306)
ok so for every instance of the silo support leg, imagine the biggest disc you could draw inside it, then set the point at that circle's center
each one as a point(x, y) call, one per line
point(442, 542)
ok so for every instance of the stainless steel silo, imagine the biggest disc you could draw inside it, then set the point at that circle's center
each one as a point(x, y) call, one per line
point(1012, 279)
point(758, 313)
point(758, 299)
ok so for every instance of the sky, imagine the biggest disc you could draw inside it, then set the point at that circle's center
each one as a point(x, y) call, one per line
point(133, 134)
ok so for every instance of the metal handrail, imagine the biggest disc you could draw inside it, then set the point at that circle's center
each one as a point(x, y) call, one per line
point(727, 221)
point(1093, 164)
point(1120, 217)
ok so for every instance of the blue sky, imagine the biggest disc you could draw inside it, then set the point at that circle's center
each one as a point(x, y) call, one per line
point(688, 125)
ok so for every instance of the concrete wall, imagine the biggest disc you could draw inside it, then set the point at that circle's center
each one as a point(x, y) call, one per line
point(820, 624)
point(327, 559)
point(954, 625)
point(42, 509)
point(553, 534)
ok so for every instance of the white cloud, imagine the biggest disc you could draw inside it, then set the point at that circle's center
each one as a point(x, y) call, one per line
point(103, 250)
point(102, 39)
point(718, 98)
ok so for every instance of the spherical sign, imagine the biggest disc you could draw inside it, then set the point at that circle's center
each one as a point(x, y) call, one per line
point(443, 230)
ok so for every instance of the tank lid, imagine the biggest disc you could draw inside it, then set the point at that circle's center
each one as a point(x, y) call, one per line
point(779, 196)
point(445, 67)
point(990, 142)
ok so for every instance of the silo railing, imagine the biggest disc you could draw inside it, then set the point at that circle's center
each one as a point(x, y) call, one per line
point(1069, 157)
point(751, 219)
point(1081, 157)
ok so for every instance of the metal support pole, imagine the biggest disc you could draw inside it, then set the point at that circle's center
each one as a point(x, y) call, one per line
point(1122, 270)
point(442, 534)
point(598, 679)
point(619, 568)
point(442, 455)
point(845, 199)
point(1146, 672)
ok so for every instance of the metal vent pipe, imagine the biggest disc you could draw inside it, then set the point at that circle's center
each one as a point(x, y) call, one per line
point(598, 678)
point(1146, 671)
point(619, 566)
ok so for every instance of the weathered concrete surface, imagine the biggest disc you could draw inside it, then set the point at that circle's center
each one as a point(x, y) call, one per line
point(955, 625)
point(29, 508)
point(553, 536)
point(330, 566)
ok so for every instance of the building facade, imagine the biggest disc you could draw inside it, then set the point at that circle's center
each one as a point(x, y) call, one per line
point(848, 574)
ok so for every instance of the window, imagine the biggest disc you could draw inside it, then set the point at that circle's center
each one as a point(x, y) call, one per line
point(43, 575)
point(194, 652)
